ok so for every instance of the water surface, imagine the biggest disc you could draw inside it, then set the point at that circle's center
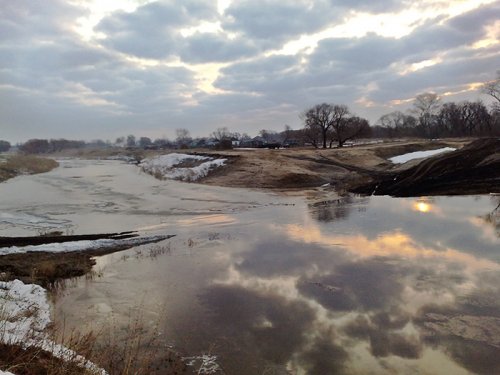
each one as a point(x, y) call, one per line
point(270, 283)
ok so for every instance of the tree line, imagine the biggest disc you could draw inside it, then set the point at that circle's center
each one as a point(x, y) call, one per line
point(326, 125)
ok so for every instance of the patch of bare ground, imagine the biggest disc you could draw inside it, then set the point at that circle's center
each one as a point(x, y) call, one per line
point(300, 168)
point(15, 165)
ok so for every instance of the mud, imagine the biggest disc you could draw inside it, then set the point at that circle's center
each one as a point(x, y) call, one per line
point(474, 169)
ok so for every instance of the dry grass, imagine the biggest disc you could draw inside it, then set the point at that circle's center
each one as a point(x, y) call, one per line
point(34, 361)
point(16, 165)
point(138, 349)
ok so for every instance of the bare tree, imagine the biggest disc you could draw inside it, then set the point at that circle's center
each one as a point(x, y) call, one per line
point(183, 137)
point(220, 134)
point(318, 120)
point(350, 128)
point(130, 140)
point(4, 146)
point(492, 88)
point(425, 107)
point(395, 123)
point(145, 142)
point(340, 125)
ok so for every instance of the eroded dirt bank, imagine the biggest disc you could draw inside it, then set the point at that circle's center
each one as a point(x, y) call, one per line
point(472, 169)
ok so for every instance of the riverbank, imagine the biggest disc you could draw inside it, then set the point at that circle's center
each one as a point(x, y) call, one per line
point(474, 168)
point(15, 165)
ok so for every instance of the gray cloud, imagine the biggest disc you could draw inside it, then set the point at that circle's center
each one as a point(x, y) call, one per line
point(272, 21)
point(152, 31)
point(49, 74)
point(205, 47)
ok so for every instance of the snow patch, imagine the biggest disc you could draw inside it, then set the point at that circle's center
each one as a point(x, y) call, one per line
point(24, 316)
point(400, 159)
point(204, 364)
point(167, 166)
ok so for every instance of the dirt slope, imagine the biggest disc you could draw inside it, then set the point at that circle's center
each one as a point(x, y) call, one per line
point(474, 169)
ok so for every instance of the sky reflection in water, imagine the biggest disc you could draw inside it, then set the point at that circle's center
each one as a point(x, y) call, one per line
point(345, 286)
point(369, 284)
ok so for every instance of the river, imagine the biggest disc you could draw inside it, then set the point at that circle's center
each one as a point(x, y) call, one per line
point(275, 284)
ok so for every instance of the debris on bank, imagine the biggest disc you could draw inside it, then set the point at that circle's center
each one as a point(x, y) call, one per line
point(181, 167)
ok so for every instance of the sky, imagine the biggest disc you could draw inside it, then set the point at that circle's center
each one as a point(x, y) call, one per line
point(93, 69)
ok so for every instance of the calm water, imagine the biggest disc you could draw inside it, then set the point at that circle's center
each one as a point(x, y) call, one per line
point(270, 283)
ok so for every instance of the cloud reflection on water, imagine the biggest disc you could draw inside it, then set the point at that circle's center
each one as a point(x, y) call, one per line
point(393, 292)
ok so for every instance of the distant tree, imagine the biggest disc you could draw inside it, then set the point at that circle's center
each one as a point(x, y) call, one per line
point(145, 142)
point(396, 124)
point(463, 119)
point(220, 134)
point(245, 137)
point(269, 136)
point(425, 108)
point(4, 146)
point(312, 134)
point(286, 134)
point(349, 128)
point(56, 145)
point(35, 146)
point(162, 143)
point(492, 88)
point(120, 141)
point(318, 120)
point(183, 137)
point(340, 130)
point(130, 140)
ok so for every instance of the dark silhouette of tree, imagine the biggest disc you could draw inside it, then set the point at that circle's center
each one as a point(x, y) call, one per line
point(183, 137)
point(318, 120)
point(425, 108)
point(35, 146)
point(4, 146)
point(492, 88)
point(145, 142)
point(332, 123)
point(221, 134)
point(130, 141)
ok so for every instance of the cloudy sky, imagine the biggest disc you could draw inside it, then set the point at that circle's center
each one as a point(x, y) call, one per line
point(87, 69)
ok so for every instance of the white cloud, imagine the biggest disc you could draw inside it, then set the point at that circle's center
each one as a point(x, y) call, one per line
point(121, 67)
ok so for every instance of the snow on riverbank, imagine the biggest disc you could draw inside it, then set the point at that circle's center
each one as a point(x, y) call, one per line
point(171, 166)
point(24, 316)
point(84, 245)
point(400, 159)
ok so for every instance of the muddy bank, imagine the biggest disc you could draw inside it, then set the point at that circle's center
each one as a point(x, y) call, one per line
point(25, 260)
point(58, 237)
point(474, 169)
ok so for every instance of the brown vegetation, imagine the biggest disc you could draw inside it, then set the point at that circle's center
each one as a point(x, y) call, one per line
point(16, 165)
point(34, 361)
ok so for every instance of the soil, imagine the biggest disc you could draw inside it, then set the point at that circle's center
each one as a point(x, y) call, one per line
point(473, 169)
point(46, 268)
